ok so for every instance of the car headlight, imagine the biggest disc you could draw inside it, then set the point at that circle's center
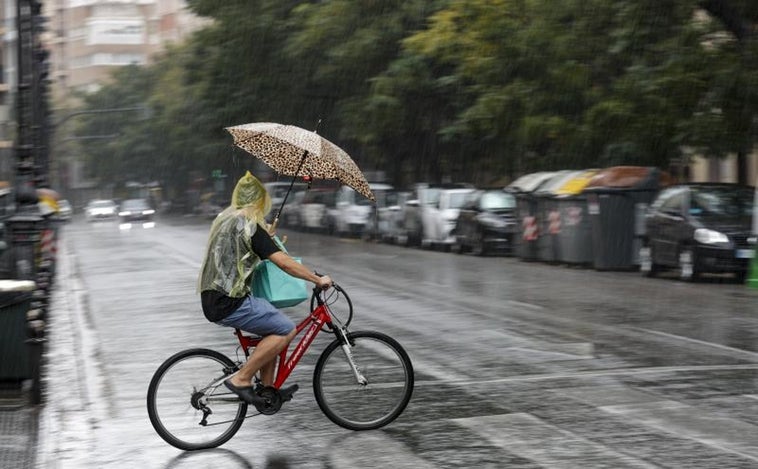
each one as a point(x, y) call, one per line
point(125, 213)
point(148, 212)
point(706, 236)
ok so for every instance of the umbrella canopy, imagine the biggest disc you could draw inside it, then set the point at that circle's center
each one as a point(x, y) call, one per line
point(294, 151)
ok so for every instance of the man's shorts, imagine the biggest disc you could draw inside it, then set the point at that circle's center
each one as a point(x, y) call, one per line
point(258, 316)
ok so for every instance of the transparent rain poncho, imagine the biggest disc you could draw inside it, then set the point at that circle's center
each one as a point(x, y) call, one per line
point(229, 259)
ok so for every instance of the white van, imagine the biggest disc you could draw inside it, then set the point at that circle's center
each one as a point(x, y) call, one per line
point(352, 210)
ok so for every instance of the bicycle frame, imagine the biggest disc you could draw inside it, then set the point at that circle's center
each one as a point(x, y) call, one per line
point(317, 319)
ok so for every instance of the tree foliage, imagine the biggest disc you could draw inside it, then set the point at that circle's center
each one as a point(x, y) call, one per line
point(477, 90)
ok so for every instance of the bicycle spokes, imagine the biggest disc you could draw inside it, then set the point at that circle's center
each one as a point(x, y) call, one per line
point(366, 384)
point(187, 410)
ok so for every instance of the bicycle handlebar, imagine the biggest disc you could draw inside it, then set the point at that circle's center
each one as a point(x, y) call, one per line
point(316, 289)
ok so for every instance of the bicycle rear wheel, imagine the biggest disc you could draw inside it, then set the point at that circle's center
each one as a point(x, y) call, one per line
point(187, 406)
point(381, 399)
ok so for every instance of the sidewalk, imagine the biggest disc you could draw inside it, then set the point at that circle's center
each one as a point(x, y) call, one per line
point(57, 434)
point(70, 413)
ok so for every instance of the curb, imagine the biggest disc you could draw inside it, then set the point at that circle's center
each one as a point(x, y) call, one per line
point(69, 413)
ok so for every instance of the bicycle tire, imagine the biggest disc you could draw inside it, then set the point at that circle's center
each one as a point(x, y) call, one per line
point(182, 379)
point(341, 310)
point(386, 366)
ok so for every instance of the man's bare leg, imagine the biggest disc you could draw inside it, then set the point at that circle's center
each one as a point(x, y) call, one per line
point(265, 354)
point(267, 373)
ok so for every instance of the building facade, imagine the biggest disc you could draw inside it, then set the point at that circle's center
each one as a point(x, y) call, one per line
point(88, 39)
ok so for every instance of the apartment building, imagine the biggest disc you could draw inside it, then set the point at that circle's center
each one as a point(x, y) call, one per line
point(88, 39)
point(7, 85)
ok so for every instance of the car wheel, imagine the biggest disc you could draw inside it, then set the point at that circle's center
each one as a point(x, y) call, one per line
point(741, 276)
point(478, 248)
point(457, 246)
point(688, 265)
point(648, 268)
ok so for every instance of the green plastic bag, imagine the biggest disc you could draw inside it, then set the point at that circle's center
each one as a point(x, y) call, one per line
point(277, 286)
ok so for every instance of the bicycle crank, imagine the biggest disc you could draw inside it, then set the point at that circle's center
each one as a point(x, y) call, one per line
point(272, 401)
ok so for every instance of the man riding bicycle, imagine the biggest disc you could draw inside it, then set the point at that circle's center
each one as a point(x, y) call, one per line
point(238, 241)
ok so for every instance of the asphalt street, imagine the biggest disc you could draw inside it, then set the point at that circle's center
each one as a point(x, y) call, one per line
point(518, 365)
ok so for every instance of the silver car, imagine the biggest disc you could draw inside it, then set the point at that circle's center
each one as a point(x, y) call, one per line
point(101, 209)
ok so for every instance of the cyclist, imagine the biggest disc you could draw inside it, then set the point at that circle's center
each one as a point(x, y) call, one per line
point(238, 241)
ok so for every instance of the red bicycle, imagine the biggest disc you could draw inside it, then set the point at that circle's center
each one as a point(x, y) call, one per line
point(362, 381)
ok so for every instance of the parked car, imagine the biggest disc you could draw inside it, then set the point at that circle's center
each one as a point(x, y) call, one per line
point(290, 216)
point(133, 210)
point(439, 221)
point(101, 209)
point(313, 208)
point(277, 190)
point(386, 217)
point(64, 210)
point(487, 222)
point(699, 228)
point(419, 209)
point(352, 210)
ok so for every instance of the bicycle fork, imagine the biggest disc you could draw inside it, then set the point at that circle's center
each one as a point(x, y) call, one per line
point(347, 349)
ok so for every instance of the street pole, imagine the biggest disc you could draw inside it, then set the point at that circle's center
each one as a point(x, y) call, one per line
point(58, 124)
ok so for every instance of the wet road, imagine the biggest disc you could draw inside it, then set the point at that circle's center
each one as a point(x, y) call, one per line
point(518, 365)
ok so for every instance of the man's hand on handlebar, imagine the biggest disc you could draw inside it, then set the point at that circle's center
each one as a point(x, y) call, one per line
point(324, 282)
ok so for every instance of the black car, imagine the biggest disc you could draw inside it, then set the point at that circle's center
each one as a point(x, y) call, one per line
point(699, 228)
point(486, 223)
point(135, 210)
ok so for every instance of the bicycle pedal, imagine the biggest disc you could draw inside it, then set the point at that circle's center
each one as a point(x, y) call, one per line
point(286, 393)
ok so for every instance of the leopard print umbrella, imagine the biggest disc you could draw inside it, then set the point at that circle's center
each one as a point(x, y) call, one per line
point(282, 147)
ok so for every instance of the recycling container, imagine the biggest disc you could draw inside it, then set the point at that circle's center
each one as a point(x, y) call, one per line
point(575, 235)
point(16, 364)
point(24, 229)
point(615, 199)
point(527, 246)
point(549, 221)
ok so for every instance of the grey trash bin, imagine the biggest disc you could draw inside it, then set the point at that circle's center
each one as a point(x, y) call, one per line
point(575, 235)
point(527, 238)
point(548, 215)
point(614, 197)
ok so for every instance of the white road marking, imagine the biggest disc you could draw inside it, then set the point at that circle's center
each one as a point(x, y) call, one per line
point(709, 428)
point(549, 446)
point(592, 374)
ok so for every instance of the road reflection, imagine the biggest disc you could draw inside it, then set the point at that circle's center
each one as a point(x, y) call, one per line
point(218, 457)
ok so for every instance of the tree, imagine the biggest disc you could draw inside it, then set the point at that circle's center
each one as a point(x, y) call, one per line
point(727, 121)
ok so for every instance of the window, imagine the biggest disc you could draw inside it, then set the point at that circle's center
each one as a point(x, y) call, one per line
point(673, 205)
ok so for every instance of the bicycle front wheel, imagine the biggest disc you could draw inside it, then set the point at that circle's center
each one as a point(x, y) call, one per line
point(188, 404)
point(371, 394)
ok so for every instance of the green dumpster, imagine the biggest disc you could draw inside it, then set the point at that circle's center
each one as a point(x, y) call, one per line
point(15, 297)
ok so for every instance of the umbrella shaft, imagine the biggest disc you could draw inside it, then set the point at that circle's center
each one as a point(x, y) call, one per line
point(292, 183)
